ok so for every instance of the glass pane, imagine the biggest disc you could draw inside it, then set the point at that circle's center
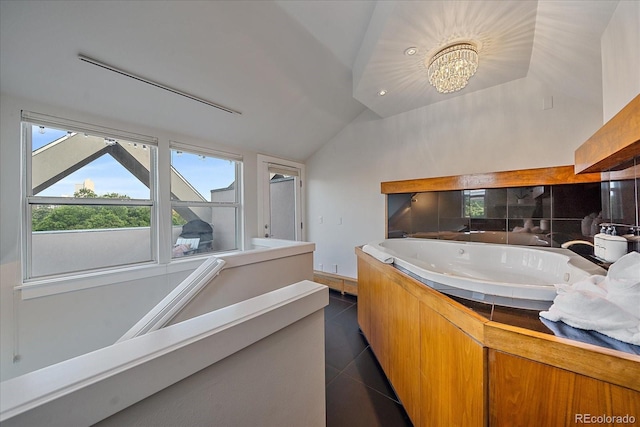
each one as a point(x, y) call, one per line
point(74, 238)
point(200, 178)
point(474, 204)
point(71, 164)
point(529, 202)
point(282, 199)
point(451, 208)
point(399, 215)
point(79, 217)
point(198, 229)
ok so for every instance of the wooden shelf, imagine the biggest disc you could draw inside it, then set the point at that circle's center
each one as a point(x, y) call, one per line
point(613, 144)
point(342, 284)
point(518, 178)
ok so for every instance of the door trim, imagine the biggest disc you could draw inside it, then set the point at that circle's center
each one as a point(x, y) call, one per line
point(263, 193)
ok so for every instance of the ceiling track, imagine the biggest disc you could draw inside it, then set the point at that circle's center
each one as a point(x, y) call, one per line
point(156, 84)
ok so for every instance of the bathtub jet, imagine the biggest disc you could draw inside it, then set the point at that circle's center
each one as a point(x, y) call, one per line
point(508, 275)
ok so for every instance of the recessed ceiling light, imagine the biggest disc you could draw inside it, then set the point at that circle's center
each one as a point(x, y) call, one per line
point(382, 92)
point(410, 51)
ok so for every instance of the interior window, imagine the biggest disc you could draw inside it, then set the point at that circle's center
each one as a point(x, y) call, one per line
point(89, 201)
point(205, 199)
point(474, 204)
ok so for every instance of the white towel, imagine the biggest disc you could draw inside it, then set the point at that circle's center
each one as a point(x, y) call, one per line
point(609, 305)
point(378, 254)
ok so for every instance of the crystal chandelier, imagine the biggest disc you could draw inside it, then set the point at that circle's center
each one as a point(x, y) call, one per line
point(450, 69)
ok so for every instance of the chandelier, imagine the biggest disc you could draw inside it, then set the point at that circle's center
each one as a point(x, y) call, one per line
point(450, 69)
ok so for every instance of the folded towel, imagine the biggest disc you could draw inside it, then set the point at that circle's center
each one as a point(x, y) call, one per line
point(378, 254)
point(609, 305)
point(623, 288)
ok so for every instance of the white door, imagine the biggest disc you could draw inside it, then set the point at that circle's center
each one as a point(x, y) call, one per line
point(281, 192)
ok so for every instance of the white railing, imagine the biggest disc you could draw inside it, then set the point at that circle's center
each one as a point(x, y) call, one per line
point(160, 315)
point(94, 386)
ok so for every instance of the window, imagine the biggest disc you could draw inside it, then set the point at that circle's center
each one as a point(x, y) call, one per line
point(474, 204)
point(89, 197)
point(205, 202)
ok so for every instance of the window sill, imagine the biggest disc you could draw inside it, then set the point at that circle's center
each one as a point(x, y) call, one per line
point(263, 250)
point(70, 283)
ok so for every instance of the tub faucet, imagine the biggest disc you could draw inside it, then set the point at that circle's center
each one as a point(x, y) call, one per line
point(580, 247)
point(567, 245)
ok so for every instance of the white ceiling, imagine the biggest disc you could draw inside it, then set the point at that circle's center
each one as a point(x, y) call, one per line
point(299, 71)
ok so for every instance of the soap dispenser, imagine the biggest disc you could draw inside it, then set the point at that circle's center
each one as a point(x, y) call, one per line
point(615, 247)
point(598, 242)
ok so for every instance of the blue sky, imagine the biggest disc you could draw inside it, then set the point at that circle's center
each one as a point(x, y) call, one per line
point(109, 176)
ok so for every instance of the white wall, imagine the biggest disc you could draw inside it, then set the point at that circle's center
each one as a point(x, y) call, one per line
point(26, 327)
point(621, 58)
point(500, 128)
point(278, 381)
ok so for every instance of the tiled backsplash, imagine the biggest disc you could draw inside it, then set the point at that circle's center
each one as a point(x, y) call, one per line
point(543, 215)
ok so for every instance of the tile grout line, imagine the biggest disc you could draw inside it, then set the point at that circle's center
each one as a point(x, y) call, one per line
point(340, 372)
point(362, 382)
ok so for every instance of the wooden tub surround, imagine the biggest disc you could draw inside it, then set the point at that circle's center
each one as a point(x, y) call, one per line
point(451, 365)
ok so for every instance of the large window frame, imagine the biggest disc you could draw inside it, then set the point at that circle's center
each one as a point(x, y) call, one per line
point(236, 204)
point(30, 119)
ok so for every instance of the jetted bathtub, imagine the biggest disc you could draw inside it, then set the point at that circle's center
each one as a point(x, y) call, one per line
point(515, 276)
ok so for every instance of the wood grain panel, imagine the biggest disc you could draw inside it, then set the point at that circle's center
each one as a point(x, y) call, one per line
point(342, 284)
point(614, 143)
point(379, 315)
point(452, 372)
point(404, 348)
point(625, 401)
point(332, 282)
point(588, 396)
point(457, 314)
point(517, 178)
point(597, 362)
point(364, 299)
point(526, 393)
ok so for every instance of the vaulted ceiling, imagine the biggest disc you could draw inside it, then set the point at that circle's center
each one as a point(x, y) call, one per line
point(298, 71)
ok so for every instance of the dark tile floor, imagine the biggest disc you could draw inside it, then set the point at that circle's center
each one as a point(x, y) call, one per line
point(358, 393)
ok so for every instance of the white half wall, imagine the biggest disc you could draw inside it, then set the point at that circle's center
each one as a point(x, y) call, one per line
point(278, 381)
point(257, 362)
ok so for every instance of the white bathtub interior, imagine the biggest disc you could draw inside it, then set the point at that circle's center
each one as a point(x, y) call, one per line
point(514, 276)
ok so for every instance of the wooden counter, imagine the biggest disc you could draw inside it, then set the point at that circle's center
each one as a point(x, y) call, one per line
point(451, 366)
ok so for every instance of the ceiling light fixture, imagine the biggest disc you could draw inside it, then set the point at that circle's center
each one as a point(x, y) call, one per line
point(451, 68)
point(410, 51)
point(156, 84)
point(382, 92)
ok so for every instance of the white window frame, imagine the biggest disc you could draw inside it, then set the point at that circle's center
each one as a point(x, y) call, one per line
point(264, 164)
point(239, 193)
point(29, 119)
